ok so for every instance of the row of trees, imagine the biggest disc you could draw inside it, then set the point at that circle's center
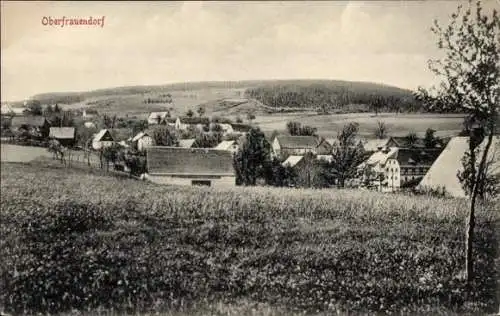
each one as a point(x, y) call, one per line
point(296, 129)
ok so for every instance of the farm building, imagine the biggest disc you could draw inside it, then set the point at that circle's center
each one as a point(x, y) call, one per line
point(299, 145)
point(187, 143)
point(443, 173)
point(142, 140)
point(156, 117)
point(190, 166)
point(64, 135)
point(102, 139)
point(35, 124)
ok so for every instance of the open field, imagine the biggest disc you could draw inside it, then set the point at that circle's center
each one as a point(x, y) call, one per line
point(74, 240)
point(133, 104)
point(16, 153)
point(397, 124)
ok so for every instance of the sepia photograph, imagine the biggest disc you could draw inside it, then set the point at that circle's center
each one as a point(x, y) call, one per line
point(250, 158)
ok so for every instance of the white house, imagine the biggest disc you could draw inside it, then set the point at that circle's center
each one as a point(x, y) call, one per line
point(190, 166)
point(390, 169)
point(102, 139)
point(142, 140)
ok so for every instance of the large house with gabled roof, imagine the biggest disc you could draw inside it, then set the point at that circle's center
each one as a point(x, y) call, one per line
point(190, 166)
point(284, 146)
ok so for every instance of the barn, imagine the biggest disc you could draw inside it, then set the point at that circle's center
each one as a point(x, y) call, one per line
point(64, 135)
point(190, 166)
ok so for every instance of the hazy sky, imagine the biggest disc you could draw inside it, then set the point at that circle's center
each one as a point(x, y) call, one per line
point(154, 43)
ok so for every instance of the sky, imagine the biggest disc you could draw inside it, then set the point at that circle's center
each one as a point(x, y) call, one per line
point(148, 43)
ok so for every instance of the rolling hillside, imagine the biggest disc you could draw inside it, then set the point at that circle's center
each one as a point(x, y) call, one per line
point(273, 96)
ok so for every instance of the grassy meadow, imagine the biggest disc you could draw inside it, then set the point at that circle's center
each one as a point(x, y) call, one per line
point(329, 125)
point(79, 241)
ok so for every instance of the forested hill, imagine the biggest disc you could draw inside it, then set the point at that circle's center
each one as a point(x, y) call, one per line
point(281, 94)
point(335, 95)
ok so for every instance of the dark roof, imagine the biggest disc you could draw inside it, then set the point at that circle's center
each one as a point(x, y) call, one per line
point(298, 141)
point(402, 142)
point(18, 121)
point(189, 161)
point(407, 156)
point(242, 128)
point(62, 132)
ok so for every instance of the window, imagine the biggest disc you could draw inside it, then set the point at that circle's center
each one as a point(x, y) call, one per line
point(395, 178)
point(201, 182)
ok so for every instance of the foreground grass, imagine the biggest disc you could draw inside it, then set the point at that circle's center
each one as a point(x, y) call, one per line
point(91, 243)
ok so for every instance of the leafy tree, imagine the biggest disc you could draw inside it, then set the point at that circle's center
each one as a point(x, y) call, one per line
point(216, 128)
point(470, 76)
point(163, 136)
point(109, 121)
point(250, 117)
point(57, 109)
point(207, 140)
point(411, 139)
point(139, 126)
point(135, 163)
point(110, 154)
point(293, 128)
point(35, 107)
point(239, 120)
point(49, 110)
point(200, 111)
point(347, 154)
point(310, 174)
point(189, 113)
point(489, 188)
point(278, 175)
point(430, 141)
point(380, 130)
point(251, 158)
point(308, 131)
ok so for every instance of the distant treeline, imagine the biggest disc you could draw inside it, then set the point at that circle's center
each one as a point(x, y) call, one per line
point(336, 96)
